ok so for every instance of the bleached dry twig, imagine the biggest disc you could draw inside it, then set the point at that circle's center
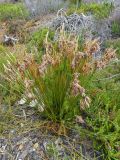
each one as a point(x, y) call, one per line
point(113, 76)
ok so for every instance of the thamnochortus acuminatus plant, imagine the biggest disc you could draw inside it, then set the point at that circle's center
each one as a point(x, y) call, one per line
point(54, 80)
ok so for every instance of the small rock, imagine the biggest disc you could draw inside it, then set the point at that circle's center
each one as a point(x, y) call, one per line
point(22, 125)
point(33, 103)
point(79, 119)
point(20, 147)
point(22, 101)
point(36, 145)
point(9, 41)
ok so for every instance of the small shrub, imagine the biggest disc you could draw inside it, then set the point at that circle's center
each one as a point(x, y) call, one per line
point(76, 2)
point(17, 28)
point(115, 29)
point(37, 39)
point(102, 117)
point(104, 121)
point(40, 7)
point(10, 90)
point(3, 58)
point(100, 11)
point(115, 43)
point(12, 11)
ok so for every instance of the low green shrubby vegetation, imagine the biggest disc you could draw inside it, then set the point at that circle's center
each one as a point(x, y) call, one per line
point(9, 91)
point(115, 29)
point(115, 43)
point(38, 37)
point(17, 28)
point(12, 11)
point(76, 2)
point(3, 58)
point(100, 11)
point(102, 118)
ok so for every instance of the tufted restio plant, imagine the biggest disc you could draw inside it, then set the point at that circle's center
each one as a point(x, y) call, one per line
point(53, 82)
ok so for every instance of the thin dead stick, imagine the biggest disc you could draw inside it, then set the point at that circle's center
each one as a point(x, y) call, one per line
point(24, 114)
point(116, 75)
